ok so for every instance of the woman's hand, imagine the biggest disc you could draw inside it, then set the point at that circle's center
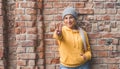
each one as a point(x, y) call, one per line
point(83, 56)
point(59, 28)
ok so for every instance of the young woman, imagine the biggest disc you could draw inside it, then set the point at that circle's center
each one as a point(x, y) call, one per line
point(71, 49)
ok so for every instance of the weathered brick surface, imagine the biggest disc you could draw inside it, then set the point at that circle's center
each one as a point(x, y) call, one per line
point(26, 29)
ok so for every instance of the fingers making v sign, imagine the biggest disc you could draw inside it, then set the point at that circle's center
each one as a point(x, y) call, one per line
point(59, 28)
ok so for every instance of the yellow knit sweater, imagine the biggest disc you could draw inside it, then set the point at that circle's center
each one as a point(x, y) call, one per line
point(71, 46)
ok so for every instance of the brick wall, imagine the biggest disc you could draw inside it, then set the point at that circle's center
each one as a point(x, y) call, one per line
point(1, 37)
point(26, 28)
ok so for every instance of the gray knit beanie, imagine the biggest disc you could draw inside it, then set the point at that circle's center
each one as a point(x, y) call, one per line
point(70, 10)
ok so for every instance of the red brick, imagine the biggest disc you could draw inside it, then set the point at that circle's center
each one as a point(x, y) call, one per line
point(99, 4)
point(55, 61)
point(48, 18)
point(118, 11)
point(101, 42)
point(48, 5)
point(111, 11)
point(100, 11)
point(98, 17)
point(50, 66)
point(1, 12)
point(30, 49)
point(39, 5)
point(99, 66)
point(21, 62)
point(113, 24)
point(24, 18)
point(89, 5)
point(54, 48)
point(48, 36)
point(58, 17)
point(113, 54)
point(19, 11)
point(106, 17)
point(1, 37)
point(1, 30)
point(115, 42)
point(112, 0)
point(30, 11)
point(50, 55)
point(86, 11)
point(107, 35)
point(28, 67)
point(97, 61)
point(51, 0)
point(28, 43)
point(19, 30)
point(58, 5)
point(1, 21)
point(41, 55)
point(111, 60)
point(2, 67)
point(31, 62)
point(50, 11)
point(94, 35)
point(117, 17)
point(27, 56)
point(40, 62)
point(1, 53)
point(48, 60)
point(74, 0)
point(31, 37)
point(113, 66)
point(101, 48)
point(93, 42)
point(49, 42)
point(0, 0)
point(109, 5)
point(17, 5)
point(41, 67)
point(57, 54)
point(20, 24)
point(99, 0)
point(20, 37)
point(0, 5)
point(20, 49)
point(39, 0)
point(27, 4)
point(32, 30)
point(116, 35)
point(80, 5)
point(101, 53)
point(40, 18)
point(89, 17)
point(30, 24)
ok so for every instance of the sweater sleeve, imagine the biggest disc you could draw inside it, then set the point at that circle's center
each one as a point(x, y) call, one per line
point(88, 52)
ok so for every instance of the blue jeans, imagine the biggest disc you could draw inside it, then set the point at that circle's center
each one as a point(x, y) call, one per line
point(84, 66)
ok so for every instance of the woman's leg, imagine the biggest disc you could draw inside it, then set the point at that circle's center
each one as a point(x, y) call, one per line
point(85, 66)
point(64, 67)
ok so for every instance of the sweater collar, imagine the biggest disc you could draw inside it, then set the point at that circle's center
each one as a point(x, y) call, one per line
point(73, 30)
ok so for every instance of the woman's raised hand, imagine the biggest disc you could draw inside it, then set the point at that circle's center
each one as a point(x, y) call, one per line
point(59, 28)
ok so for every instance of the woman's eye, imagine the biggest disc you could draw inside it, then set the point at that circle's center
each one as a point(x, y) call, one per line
point(66, 18)
point(71, 17)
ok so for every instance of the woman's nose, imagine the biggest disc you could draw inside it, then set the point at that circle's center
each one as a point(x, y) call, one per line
point(68, 20)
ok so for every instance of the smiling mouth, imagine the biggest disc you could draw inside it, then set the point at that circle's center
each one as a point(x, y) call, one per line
point(70, 23)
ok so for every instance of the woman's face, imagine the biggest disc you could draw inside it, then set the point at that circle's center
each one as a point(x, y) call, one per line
point(69, 21)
